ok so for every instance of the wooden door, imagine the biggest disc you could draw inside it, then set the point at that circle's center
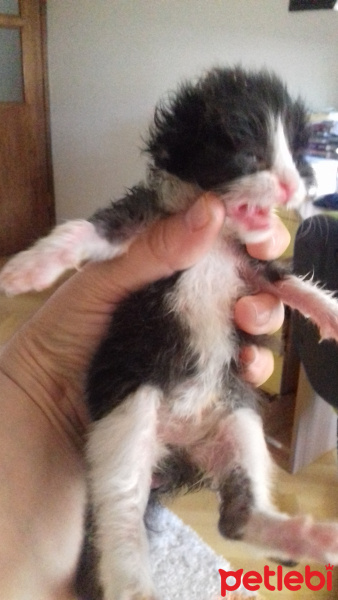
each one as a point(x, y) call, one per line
point(26, 199)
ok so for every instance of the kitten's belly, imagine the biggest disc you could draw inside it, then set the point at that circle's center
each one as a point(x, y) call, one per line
point(175, 431)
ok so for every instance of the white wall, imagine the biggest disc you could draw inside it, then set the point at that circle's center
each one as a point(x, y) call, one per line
point(110, 61)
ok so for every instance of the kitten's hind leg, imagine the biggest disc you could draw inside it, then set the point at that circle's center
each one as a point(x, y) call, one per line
point(294, 538)
point(121, 452)
point(235, 460)
point(238, 463)
point(66, 247)
point(286, 537)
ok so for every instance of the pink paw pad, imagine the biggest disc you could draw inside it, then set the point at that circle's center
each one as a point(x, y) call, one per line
point(40, 266)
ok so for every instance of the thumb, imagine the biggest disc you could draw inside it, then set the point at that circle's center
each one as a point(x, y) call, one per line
point(169, 245)
point(73, 320)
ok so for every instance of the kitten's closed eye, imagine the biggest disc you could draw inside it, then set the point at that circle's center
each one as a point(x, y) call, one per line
point(257, 162)
point(248, 163)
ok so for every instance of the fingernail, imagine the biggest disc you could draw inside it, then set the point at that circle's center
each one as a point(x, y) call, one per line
point(272, 241)
point(262, 314)
point(247, 355)
point(198, 215)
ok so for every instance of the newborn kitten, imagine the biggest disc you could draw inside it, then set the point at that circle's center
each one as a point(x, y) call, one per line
point(169, 408)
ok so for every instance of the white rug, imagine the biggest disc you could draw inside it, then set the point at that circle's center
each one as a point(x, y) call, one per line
point(184, 567)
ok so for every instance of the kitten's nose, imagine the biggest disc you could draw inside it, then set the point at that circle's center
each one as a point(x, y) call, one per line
point(285, 191)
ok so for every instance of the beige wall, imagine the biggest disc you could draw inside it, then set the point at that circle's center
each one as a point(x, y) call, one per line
point(110, 61)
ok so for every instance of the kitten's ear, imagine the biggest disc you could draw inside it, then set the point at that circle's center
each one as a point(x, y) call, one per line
point(174, 137)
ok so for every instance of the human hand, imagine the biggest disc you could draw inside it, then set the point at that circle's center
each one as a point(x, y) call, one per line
point(44, 420)
point(261, 313)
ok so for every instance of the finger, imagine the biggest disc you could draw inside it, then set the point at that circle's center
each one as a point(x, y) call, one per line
point(275, 245)
point(170, 245)
point(257, 364)
point(91, 294)
point(259, 314)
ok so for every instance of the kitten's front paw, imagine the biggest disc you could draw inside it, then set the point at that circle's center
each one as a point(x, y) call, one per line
point(29, 271)
point(329, 326)
point(39, 267)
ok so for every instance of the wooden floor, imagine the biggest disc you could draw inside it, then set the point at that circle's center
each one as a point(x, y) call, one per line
point(314, 490)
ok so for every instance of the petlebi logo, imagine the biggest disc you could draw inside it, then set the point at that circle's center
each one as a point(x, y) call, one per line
point(275, 579)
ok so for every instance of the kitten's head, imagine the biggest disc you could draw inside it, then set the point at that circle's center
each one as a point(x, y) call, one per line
point(241, 135)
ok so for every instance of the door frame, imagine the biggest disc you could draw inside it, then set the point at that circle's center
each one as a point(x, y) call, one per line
point(32, 24)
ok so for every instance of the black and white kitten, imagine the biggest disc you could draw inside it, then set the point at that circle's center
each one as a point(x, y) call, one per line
point(164, 390)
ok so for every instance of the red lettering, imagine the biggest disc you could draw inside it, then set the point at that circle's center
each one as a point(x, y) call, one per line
point(267, 574)
point(308, 576)
point(251, 581)
point(293, 580)
point(225, 586)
